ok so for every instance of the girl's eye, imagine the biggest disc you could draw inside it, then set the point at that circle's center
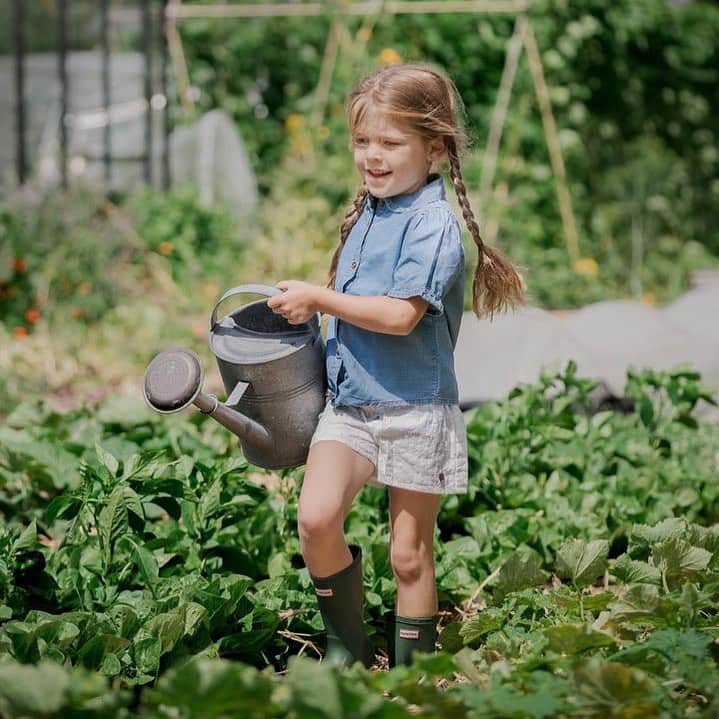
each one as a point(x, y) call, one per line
point(361, 141)
point(391, 143)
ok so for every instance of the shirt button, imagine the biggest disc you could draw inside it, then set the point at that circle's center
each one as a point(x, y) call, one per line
point(354, 264)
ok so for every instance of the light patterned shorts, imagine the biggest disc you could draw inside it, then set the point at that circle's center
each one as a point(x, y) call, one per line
point(422, 447)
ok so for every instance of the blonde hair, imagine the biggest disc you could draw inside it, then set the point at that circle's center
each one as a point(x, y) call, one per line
point(427, 101)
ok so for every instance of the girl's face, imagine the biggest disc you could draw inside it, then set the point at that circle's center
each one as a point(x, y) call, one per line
point(391, 158)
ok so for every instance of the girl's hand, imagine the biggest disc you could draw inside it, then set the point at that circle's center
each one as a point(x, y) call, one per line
point(298, 302)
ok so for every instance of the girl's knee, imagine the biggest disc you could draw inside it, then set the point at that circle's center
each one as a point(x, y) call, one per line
point(317, 522)
point(409, 561)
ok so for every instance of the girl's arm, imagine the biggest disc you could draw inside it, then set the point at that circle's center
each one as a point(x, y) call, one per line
point(391, 315)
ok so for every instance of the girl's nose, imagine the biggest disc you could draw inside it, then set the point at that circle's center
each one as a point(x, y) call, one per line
point(373, 151)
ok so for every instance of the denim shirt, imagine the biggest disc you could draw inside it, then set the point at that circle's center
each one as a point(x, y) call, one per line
point(403, 246)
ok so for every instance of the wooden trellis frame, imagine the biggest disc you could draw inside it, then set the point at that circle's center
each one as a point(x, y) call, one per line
point(523, 36)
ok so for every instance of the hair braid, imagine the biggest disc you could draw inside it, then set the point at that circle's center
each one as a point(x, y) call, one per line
point(497, 283)
point(350, 218)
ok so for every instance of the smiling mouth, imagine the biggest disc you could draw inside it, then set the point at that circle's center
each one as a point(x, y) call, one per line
point(378, 173)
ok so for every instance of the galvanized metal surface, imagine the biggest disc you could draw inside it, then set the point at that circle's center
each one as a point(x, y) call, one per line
point(283, 366)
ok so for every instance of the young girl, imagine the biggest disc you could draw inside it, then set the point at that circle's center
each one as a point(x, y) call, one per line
point(395, 300)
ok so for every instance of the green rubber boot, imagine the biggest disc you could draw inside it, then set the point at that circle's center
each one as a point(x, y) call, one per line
point(341, 601)
point(408, 634)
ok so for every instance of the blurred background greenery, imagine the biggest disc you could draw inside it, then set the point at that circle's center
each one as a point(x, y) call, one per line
point(633, 89)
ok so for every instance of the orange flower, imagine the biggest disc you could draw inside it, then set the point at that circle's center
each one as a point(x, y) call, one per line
point(20, 332)
point(77, 312)
point(32, 315)
point(389, 56)
point(19, 265)
point(165, 248)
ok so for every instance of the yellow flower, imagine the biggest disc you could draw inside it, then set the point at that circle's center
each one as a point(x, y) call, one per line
point(364, 34)
point(300, 147)
point(294, 121)
point(323, 132)
point(648, 298)
point(586, 266)
point(165, 248)
point(389, 56)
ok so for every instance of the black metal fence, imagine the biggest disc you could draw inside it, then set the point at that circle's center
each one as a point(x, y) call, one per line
point(153, 44)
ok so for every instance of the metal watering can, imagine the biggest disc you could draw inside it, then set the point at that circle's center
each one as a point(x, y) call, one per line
point(273, 372)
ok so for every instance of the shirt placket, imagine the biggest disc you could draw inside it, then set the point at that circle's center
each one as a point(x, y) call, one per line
point(354, 265)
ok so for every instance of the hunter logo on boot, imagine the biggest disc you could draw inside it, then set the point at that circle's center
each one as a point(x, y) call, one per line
point(408, 633)
point(324, 592)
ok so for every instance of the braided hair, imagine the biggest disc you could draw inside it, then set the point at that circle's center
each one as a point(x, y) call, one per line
point(426, 100)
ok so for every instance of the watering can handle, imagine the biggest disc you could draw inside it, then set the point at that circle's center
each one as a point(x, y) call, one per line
point(258, 290)
point(243, 290)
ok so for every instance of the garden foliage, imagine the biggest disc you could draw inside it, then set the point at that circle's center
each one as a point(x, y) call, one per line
point(147, 570)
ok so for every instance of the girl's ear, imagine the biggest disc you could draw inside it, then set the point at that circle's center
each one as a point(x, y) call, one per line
point(436, 149)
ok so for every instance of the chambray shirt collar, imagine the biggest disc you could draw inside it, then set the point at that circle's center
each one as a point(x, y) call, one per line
point(431, 192)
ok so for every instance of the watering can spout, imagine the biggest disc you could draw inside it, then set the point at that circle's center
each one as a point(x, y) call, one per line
point(235, 421)
point(173, 381)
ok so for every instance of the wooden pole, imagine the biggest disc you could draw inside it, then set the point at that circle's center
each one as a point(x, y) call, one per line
point(62, 76)
point(20, 121)
point(329, 59)
point(177, 55)
point(396, 7)
point(499, 115)
point(555, 150)
point(106, 97)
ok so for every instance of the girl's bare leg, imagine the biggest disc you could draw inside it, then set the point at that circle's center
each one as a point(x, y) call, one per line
point(413, 516)
point(333, 476)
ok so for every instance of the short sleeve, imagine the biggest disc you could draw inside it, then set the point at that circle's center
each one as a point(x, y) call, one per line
point(430, 259)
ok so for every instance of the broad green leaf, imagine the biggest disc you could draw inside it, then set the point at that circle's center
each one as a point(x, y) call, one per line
point(107, 460)
point(93, 652)
point(32, 691)
point(63, 506)
point(643, 536)
point(314, 689)
point(640, 602)
point(147, 652)
point(518, 573)
point(606, 686)
point(449, 638)
point(582, 562)
point(678, 560)
point(210, 501)
point(110, 666)
point(214, 689)
point(132, 502)
point(544, 699)
point(28, 538)
point(248, 645)
point(146, 563)
point(482, 623)
point(576, 638)
point(168, 627)
point(632, 571)
point(193, 615)
point(112, 522)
